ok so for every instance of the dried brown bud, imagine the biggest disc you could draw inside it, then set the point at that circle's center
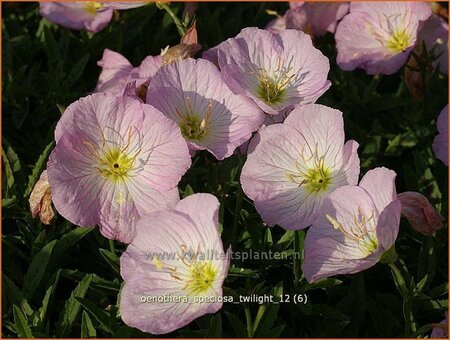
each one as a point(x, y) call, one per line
point(41, 200)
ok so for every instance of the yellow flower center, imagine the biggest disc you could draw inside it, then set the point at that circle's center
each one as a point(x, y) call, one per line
point(92, 6)
point(115, 164)
point(272, 88)
point(315, 179)
point(202, 278)
point(318, 179)
point(196, 275)
point(192, 126)
point(399, 41)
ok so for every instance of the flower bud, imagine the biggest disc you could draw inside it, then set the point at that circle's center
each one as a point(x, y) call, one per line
point(41, 200)
point(420, 213)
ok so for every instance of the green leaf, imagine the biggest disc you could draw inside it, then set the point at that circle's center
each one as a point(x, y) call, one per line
point(15, 295)
point(331, 330)
point(8, 175)
point(52, 50)
point(22, 327)
point(37, 270)
point(77, 71)
point(12, 156)
point(215, 328)
point(8, 202)
point(275, 332)
point(238, 326)
point(68, 241)
point(98, 283)
point(99, 314)
point(48, 298)
point(72, 307)
point(38, 168)
point(322, 283)
point(111, 259)
point(87, 328)
point(286, 239)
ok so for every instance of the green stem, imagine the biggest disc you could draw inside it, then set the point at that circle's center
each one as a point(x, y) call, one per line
point(259, 315)
point(248, 317)
point(180, 26)
point(112, 246)
point(404, 291)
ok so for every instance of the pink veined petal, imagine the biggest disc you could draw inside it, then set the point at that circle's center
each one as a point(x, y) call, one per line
point(322, 128)
point(440, 143)
point(73, 186)
point(203, 209)
point(74, 15)
point(325, 16)
point(380, 184)
point(146, 70)
point(324, 259)
point(115, 71)
point(330, 251)
point(118, 214)
point(163, 151)
point(265, 178)
point(310, 66)
point(101, 117)
point(388, 224)
point(158, 318)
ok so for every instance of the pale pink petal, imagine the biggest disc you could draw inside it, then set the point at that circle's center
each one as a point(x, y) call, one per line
point(76, 15)
point(330, 251)
point(115, 71)
point(388, 224)
point(380, 184)
point(440, 143)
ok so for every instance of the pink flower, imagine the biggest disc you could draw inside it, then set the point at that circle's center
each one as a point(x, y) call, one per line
point(193, 94)
point(41, 200)
point(118, 73)
point(440, 330)
point(440, 143)
point(177, 256)
point(420, 213)
point(292, 167)
point(316, 18)
point(435, 35)
point(83, 15)
point(115, 160)
point(355, 226)
point(379, 36)
point(276, 70)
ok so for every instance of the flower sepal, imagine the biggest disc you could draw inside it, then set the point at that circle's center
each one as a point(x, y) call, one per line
point(389, 256)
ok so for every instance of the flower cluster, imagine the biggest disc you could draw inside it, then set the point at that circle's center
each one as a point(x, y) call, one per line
point(120, 152)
